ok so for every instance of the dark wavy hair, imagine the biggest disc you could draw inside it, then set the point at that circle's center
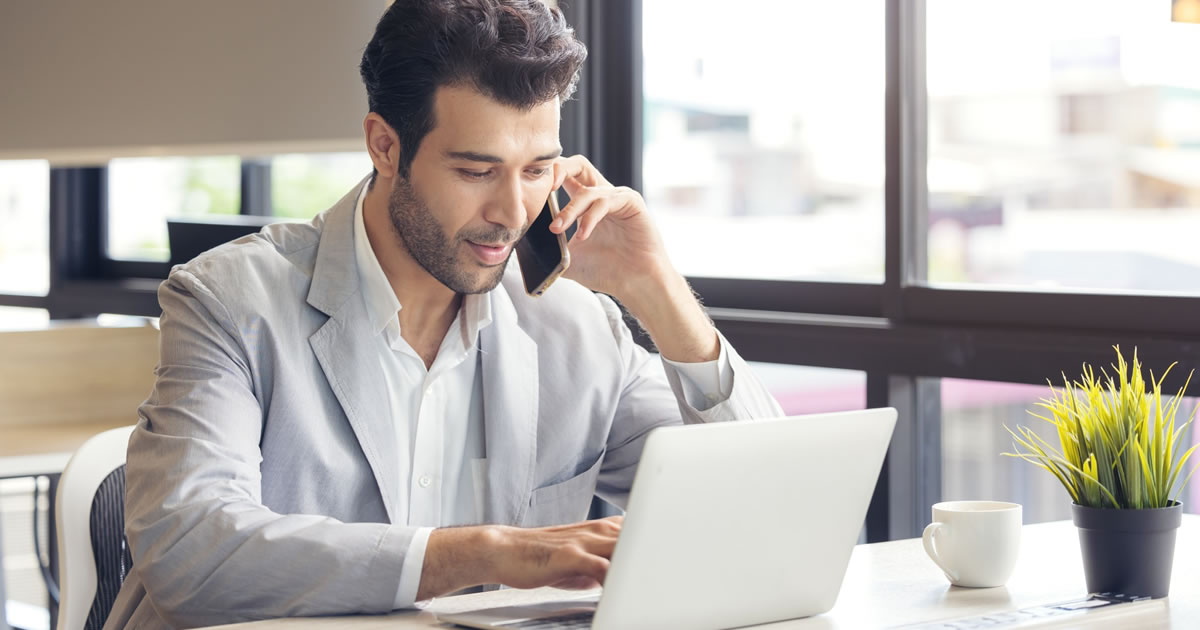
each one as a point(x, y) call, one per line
point(520, 53)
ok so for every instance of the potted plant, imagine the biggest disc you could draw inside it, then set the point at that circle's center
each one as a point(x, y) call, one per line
point(1119, 457)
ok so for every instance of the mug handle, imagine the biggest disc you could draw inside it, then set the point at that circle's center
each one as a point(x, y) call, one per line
point(927, 536)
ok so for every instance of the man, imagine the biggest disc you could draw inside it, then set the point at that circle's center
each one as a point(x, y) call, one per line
point(367, 411)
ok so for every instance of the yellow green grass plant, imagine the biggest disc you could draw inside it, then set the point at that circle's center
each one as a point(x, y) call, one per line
point(1118, 440)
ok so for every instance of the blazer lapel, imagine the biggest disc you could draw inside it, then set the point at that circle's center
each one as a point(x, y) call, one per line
point(343, 344)
point(510, 412)
point(341, 350)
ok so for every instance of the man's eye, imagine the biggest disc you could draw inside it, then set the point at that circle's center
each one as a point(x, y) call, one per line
point(538, 172)
point(474, 174)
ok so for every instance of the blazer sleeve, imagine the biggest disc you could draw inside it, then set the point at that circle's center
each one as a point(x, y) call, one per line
point(653, 396)
point(203, 544)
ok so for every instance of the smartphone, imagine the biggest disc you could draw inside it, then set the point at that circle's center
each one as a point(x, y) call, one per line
point(543, 254)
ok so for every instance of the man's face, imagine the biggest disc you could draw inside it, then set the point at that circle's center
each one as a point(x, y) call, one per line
point(477, 181)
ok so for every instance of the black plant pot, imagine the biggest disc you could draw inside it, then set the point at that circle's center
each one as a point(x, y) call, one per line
point(1128, 551)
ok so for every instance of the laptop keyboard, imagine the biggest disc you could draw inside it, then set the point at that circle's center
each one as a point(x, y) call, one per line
point(570, 621)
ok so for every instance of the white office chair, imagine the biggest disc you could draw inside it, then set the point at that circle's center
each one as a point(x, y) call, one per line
point(93, 555)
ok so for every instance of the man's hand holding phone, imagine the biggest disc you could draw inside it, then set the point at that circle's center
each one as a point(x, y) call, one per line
point(616, 247)
point(618, 251)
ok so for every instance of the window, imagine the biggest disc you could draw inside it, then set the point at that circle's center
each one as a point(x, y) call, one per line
point(304, 184)
point(25, 227)
point(974, 414)
point(756, 144)
point(761, 152)
point(144, 192)
point(1063, 151)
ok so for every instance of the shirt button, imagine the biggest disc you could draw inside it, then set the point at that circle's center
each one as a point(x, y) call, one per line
point(424, 481)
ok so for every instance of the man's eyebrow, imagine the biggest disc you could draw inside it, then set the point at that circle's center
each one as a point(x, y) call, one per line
point(472, 156)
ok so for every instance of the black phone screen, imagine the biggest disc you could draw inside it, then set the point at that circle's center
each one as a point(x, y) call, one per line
point(538, 250)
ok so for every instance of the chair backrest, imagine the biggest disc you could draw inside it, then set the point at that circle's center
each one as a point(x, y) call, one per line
point(93, 554)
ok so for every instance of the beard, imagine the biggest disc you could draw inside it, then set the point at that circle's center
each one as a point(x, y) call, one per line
point(436, 252)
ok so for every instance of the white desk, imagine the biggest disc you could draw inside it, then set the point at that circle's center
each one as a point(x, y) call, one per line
point(894, 583)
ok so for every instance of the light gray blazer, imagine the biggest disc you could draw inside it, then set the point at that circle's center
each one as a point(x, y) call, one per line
point(262, 474)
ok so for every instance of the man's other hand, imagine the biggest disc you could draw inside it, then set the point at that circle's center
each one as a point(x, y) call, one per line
point(572, 556)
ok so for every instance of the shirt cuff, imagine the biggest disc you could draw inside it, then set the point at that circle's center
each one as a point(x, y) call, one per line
point(410, 571)
point(707, 383)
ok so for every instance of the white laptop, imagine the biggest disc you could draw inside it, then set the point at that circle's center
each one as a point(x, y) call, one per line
point(728, 525)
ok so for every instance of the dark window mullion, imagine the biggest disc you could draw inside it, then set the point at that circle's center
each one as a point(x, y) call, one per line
point(22, 301)
point(905, 187)
point(78, 208)
point(573, 130)
point(970, 352)
point(256, 187)
point(911, 477)
point(612, 86)
point(1173, 315)
point(879, 511)
point(78, 197)
point(795, 296)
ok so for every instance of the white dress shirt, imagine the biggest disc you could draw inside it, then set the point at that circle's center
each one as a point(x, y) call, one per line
point(438, 412)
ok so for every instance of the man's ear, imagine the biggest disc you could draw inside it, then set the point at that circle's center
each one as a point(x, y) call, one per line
point(383, 145)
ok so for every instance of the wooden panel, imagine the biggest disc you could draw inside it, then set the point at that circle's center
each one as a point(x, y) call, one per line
point(50, 439)
point(75, 375)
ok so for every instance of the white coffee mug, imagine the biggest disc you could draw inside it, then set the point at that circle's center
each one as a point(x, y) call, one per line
point(974, 542)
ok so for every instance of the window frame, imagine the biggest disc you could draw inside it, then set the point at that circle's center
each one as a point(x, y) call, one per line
point(898, 332)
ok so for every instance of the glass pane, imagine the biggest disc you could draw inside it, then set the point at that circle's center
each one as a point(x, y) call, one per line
point(25, 227)
point(1064, 151)
point(17, 318)
point(144, 192)
point(756, 144)
point(303, 184)
point(802, 389)
point(973, 437)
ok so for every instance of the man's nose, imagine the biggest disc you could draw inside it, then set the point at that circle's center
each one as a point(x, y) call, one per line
point(508, 207)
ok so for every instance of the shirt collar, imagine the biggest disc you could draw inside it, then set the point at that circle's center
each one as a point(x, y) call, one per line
point(477, 315)
point(380, 300)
